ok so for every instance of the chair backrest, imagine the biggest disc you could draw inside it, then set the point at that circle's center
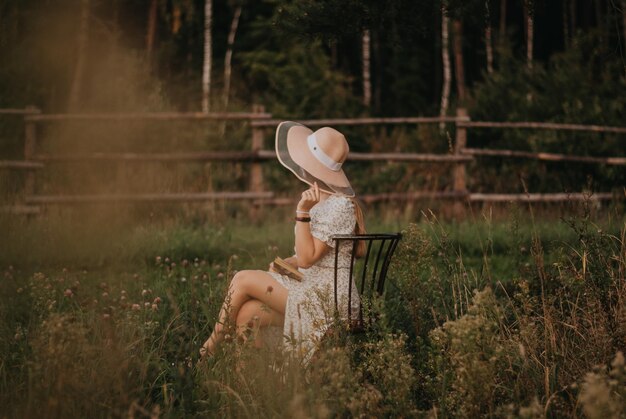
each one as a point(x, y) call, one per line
point(368, 273)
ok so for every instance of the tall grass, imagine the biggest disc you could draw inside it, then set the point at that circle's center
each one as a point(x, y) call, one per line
point(483, 318)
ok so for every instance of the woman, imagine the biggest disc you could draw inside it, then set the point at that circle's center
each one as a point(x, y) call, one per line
point(266, 298)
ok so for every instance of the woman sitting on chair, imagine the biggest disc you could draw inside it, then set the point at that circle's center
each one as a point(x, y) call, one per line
point(269, 298)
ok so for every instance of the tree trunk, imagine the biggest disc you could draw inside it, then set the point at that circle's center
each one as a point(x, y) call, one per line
point(115, 31)
point(367, 82)
point(502, 31)
point(572, 16)
point(206, 67)
point(229, 54)
point(445, 57)
point(152, 24)
point(378, 71)
point(488, 42)
point(81, 52)
point(530, 32)
point(624, 22)
point(565, 26)
point(459, 70)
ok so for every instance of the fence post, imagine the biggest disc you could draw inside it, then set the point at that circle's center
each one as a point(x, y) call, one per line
point(460, 181)
point(256, 172)
point(30, 143)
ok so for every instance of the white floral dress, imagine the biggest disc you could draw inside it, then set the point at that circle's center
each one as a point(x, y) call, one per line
point(310, 303)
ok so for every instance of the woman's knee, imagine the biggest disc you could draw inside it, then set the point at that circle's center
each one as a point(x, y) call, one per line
point(240, 279)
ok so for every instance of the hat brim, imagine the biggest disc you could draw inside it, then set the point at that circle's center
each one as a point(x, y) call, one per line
point(293, 153)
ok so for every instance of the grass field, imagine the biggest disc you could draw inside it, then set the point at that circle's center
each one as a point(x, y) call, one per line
point(506, 317)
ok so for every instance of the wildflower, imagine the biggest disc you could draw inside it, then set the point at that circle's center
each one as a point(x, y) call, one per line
point(183, 279)
point(220, 275)
point(205, 276)
point(167, 260)
point(228, 337)
point(146, 304)
point(18, 335)
point(68, 293)
point(136, 307)
point(157, 300)
point(136, 276)
point(158, 260)
point(144, 293)
point(155, 307)
point(123, 292)
point(185, 262)
point(123, 298)
point(235, 257)
point(76, 283)
point(105, 294)
point(20, 290)
point(106, 316)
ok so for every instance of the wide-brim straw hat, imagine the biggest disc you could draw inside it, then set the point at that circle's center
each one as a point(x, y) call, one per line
point(314, 156)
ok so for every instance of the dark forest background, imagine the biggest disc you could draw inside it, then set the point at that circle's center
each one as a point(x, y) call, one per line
point(289, 55)
point(305, 59)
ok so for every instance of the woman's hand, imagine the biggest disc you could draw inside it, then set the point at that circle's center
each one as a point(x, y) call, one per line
point(292, 260)
point(309, 198)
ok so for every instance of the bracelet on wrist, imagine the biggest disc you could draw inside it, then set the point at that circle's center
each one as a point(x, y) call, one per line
point(301, 212)
point(303, 219)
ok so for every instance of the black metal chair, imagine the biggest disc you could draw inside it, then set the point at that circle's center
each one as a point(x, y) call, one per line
point(368, 273)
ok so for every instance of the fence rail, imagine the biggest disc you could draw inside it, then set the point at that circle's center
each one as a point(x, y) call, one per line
point(158, 197)
point(240, 156)
point(540, 197)
point(612, 161)
point(259, 121)
point(543, 125)
point(19, 112)
point(20, 164)
point(365, 121)
point(150, 116)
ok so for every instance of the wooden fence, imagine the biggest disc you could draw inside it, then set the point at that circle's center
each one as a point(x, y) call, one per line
point(260, 122)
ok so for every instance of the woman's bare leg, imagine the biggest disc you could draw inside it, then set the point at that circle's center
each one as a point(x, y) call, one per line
point(253, 315)
point(244, 286)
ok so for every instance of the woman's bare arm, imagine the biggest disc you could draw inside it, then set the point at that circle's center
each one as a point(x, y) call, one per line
point(308, 248)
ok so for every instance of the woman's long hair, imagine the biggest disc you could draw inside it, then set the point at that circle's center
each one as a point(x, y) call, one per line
point(359, 228)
